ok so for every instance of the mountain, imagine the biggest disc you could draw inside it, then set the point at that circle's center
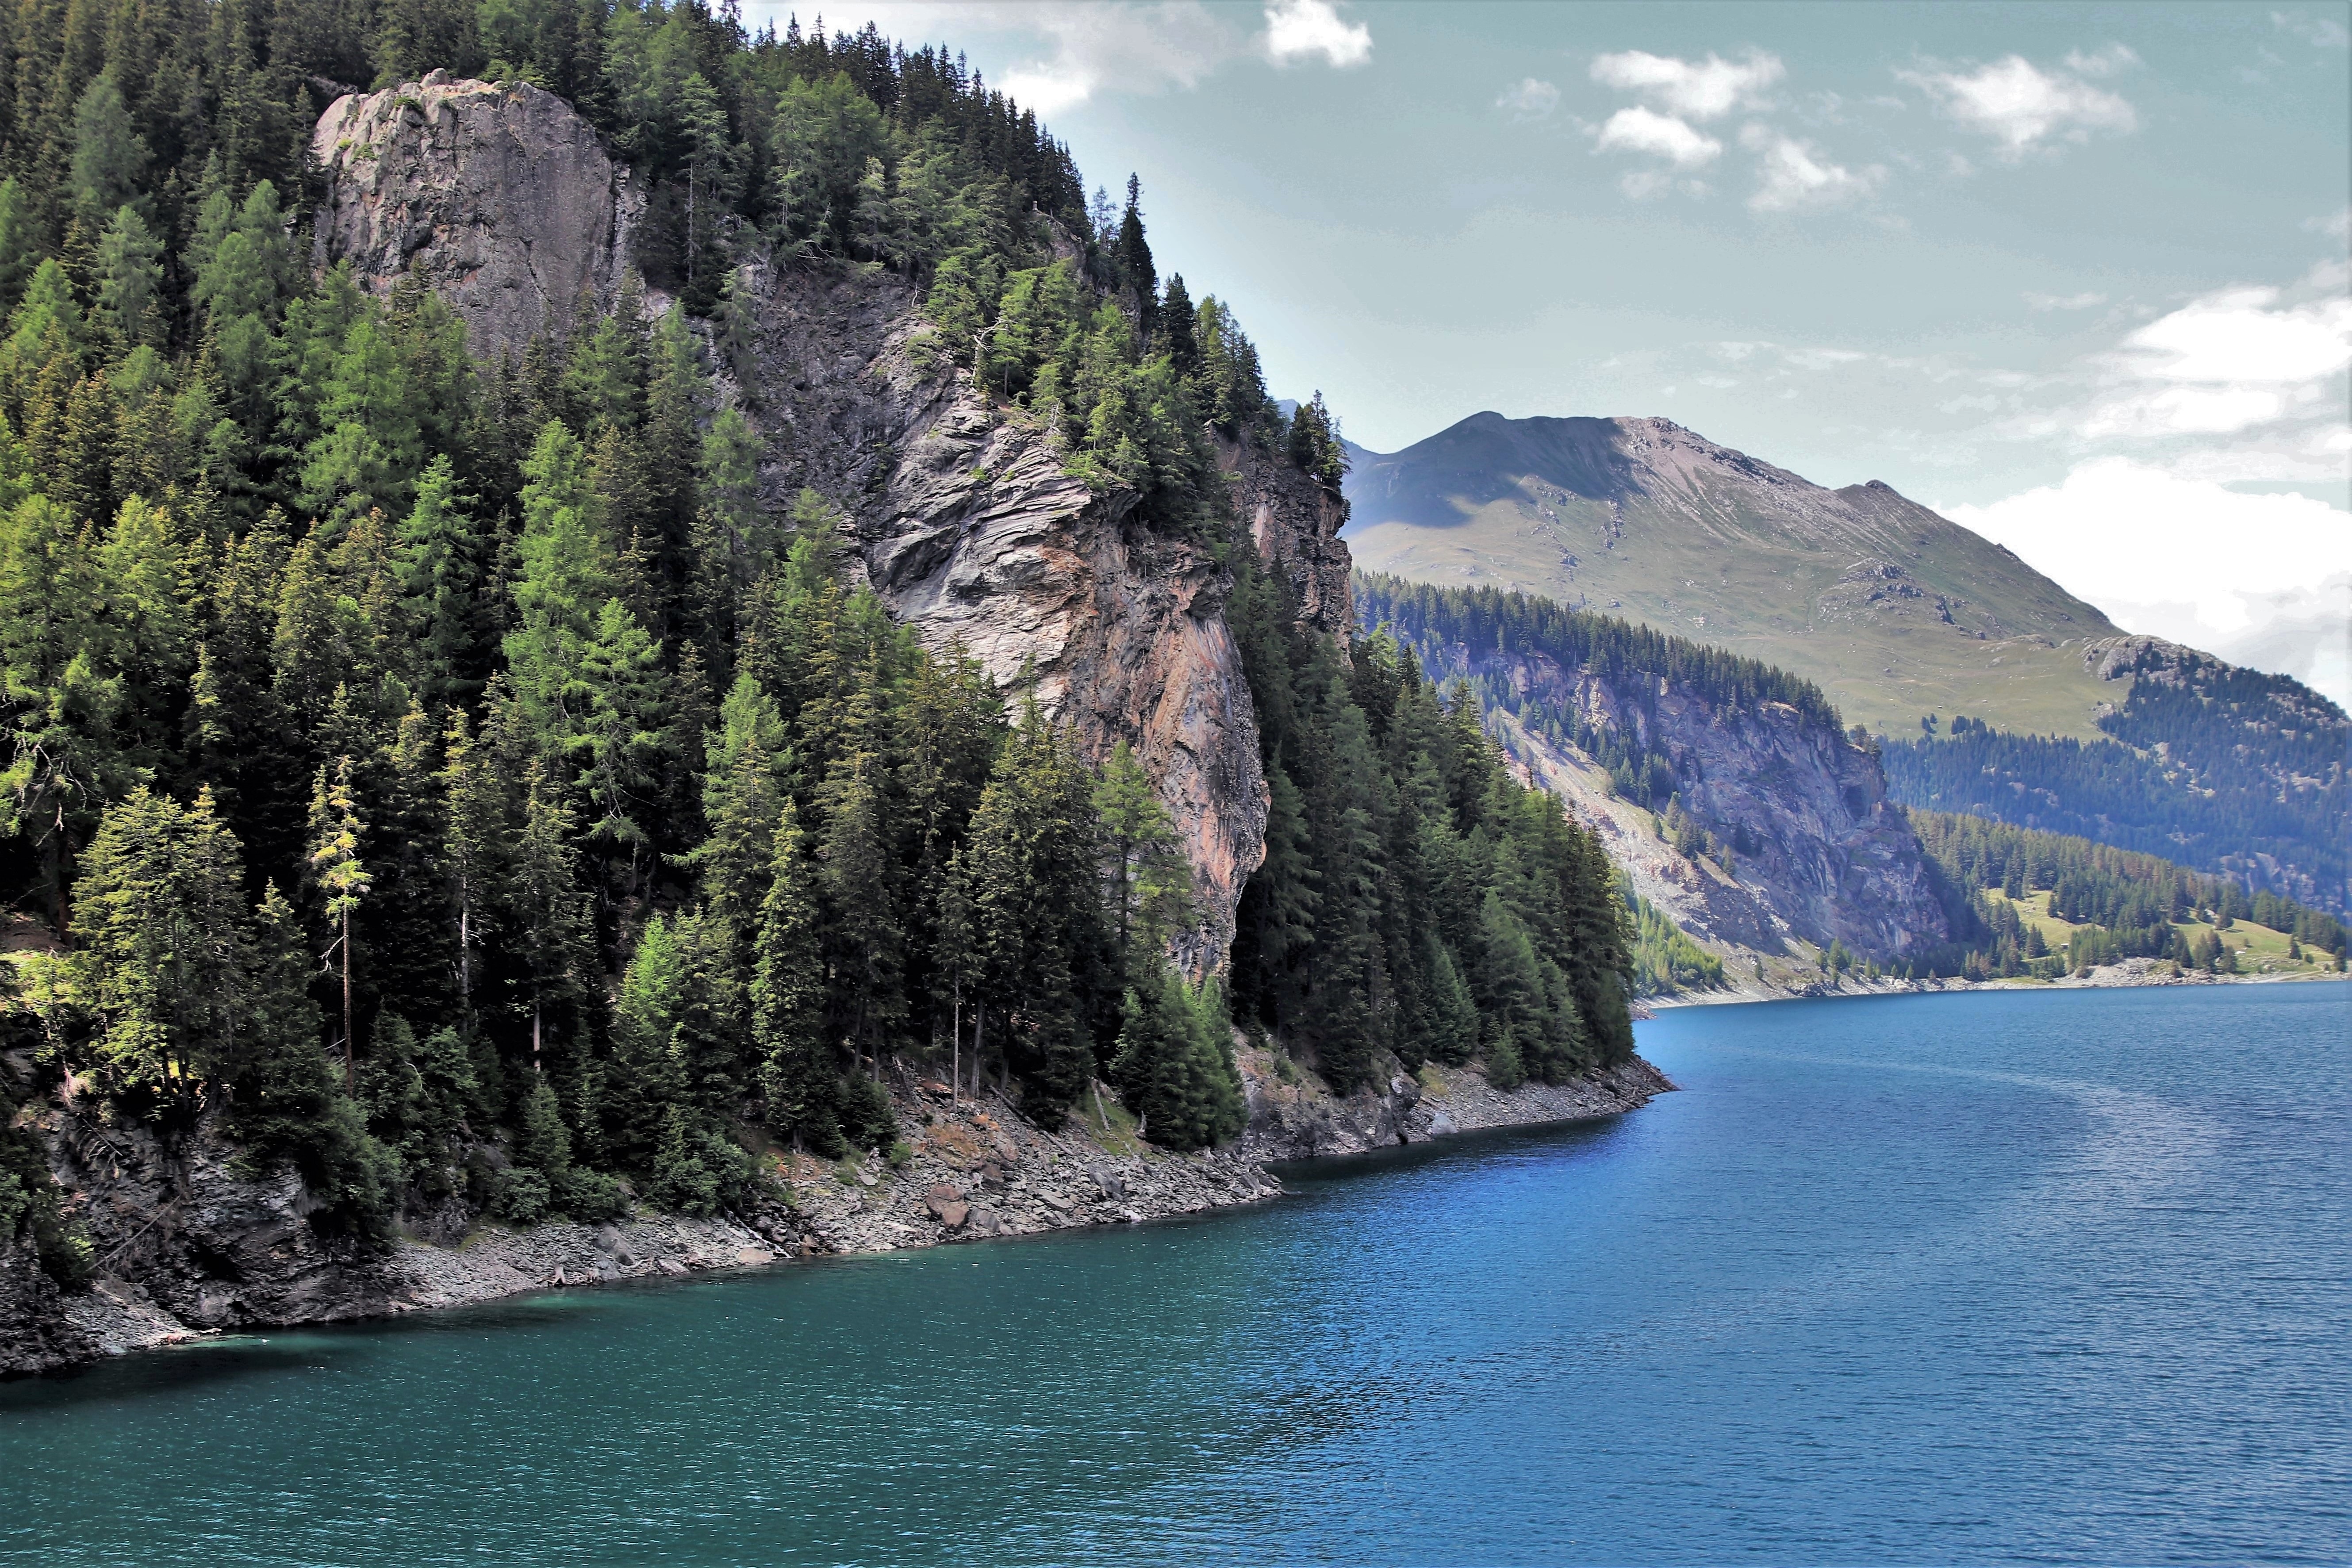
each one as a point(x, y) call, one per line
point(1996, 691)
point(619, 684)
point(1896, 612)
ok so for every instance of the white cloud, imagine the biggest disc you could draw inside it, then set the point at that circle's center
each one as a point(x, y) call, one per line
point(2228, 361)
point(1088, 47)
point(1530, 100)
point(1297, 29)
point(2337, 225)
point(2320, 32)
point(2115, 58)
point(1701, 90)
point(1638, 130)
point(2019, 105)
point(2063, 301)
point(2185, 558)
point(1794, 176)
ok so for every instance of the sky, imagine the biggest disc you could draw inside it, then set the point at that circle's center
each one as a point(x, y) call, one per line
point(2075, 276)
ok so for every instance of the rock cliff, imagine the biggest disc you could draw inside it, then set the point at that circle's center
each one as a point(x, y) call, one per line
point(500, 198)
point(1824, 854)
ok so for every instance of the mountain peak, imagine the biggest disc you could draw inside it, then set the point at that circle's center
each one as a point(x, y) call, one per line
point(1641, 517)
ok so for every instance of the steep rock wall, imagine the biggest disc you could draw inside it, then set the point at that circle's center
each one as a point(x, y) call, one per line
point(1831, 857)
point(500, 198)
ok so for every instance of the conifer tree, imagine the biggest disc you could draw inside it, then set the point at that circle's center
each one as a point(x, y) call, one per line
point(157, 927)
point(788, 997)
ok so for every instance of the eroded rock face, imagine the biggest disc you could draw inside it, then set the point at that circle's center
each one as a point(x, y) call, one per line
point(501, 197)
point(1828, 856)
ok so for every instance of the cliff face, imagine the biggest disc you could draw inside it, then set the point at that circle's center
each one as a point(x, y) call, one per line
point(1829, 857)
point(500, 198)
point(961, 515)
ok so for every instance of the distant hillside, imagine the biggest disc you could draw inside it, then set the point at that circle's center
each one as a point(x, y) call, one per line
point(1725, 788)
point(2023, 902)
point(2223, 768)
point(1893, 611)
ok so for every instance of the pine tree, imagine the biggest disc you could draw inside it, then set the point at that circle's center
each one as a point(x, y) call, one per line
point(788, 997)
point(1152, 880)
point(156, 927)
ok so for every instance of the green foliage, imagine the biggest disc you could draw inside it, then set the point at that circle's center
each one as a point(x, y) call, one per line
point(1174, 1061)
point(1665, 958)
point(1415, 899)
point(2222, 770)
point(630, 823)
point(2135, 903)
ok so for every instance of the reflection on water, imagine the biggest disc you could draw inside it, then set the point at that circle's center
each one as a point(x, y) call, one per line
point(1988, 1278)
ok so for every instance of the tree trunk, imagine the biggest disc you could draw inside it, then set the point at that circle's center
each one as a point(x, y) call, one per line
point(534, 1038)
point(350, 1077)
point(955, 1054)
point(466, 960)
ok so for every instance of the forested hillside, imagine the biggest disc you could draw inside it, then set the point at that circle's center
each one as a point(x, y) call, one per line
point(2223, 768)
point(468, 781)
point(2023, 901)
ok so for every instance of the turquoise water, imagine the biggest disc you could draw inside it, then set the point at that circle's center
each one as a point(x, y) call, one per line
point(1993, 1277)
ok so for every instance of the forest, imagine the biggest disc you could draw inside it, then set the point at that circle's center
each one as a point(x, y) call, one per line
point(2136, 902)
point(2212, 771)
point(468, 781)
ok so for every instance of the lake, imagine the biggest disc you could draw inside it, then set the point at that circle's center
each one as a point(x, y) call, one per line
point(2058, 1276)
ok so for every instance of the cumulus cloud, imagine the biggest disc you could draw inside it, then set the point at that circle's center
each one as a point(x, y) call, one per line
point(1692, 89)
point(2022, 106)
point(1639, 130)
point(1530, 100)
point(1301, 29)
point(2262, 577)
point(2228, 361)
point(1795, 176)
point(1081, 49)
point(1088, 48)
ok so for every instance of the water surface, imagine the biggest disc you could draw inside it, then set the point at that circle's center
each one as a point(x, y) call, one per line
point(1991, 1278)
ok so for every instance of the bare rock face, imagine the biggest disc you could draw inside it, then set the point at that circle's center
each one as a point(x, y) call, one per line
point(967, 526)
point(1827, 856)
point(501, 197)
point(1296, 524)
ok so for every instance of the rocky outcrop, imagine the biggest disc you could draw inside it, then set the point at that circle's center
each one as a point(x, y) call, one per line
point(1822, 854)
point(1293, 1117)
point(35, 1333)
point(1295, 522)
point(499, 197)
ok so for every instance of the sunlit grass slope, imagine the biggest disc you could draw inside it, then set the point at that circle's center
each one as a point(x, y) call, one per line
point(1893, 610)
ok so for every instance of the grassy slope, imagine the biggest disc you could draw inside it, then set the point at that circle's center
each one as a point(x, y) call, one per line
point(1645, 520)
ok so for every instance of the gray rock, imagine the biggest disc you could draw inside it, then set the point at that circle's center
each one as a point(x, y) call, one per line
point(502, 198)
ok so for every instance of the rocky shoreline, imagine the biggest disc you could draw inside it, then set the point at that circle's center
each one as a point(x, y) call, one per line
point(189, 1252)
point(2124, 973)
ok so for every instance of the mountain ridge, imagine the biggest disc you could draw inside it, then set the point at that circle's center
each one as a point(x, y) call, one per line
point(1895, 611)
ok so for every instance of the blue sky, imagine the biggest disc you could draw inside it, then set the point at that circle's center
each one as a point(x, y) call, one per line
point(2073, 274)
